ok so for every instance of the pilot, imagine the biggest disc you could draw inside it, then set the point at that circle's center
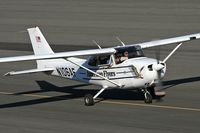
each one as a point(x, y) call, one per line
point(117, 60)
point(125, 57)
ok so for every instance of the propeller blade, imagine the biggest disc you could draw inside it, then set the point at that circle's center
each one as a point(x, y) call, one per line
point(157, 54)
point(159, 86)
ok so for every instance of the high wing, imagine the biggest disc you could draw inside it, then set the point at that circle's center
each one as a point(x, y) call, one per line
point(59, 55)
point(169, 41)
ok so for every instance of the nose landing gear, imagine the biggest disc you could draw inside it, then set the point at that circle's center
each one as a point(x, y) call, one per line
point(147, 96)
point(150, 93)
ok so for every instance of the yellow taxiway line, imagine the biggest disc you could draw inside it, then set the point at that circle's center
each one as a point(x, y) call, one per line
point(29, 95)
point(114, 102)
point(152, 105)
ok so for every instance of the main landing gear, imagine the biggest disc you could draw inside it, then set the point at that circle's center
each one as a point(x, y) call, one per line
point(89, 99)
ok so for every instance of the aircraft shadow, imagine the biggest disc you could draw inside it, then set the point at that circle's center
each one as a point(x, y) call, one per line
point(78, 93)
point(171, 83)
point(44, 87)
point(72, 92)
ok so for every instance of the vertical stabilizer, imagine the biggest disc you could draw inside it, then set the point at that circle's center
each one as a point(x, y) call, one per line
point(39, 43)
point(41, 47)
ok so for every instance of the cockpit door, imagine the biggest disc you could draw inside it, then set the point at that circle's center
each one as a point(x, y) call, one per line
point(101, 61)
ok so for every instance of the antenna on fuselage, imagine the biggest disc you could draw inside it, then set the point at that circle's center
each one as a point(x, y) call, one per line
point(96, 44)
point(123, 44)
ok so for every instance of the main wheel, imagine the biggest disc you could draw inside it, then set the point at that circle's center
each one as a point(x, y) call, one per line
point(147, 97)
point(88, 100)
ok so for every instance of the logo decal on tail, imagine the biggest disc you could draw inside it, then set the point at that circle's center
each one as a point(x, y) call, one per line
point(38, 39)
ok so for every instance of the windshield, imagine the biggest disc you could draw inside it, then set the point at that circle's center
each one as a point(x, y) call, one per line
point(128, 52)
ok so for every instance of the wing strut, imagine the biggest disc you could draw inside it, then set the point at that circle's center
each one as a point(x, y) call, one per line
point(118, 85)
point(96, 44)
point(123, 44)
point(172, 52)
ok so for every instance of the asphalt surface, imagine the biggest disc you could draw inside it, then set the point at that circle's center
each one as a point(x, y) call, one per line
point(44, 104)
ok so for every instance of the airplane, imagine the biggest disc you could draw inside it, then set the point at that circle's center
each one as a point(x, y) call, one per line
point(120, 67)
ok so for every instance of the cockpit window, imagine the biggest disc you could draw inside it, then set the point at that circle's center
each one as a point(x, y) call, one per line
point(124, 53)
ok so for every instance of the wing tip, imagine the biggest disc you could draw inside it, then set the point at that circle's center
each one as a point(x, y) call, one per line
point(8, 74)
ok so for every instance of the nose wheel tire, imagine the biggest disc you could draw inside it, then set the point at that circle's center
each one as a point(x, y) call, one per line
point(147, 97)
point(88, 100)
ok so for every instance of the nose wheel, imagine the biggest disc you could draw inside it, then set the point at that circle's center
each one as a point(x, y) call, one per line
point(147, 94)
point(147, 97)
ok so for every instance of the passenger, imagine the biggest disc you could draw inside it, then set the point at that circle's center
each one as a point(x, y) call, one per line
point(125, 57)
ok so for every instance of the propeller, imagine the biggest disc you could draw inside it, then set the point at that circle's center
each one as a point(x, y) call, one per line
point(158, 67)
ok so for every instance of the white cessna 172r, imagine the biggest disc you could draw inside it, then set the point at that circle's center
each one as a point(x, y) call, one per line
point(123, 67)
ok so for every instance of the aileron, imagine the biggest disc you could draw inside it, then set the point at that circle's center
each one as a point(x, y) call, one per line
point(169, 41)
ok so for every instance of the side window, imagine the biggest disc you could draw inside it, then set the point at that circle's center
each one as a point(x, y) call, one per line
point(99, 60)
point(93, 61)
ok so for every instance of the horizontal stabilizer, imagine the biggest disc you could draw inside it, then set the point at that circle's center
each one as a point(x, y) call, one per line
point(28, 71)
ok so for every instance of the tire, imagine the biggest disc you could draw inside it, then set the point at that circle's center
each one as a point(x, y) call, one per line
point(147, 97)
point(88, 100)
